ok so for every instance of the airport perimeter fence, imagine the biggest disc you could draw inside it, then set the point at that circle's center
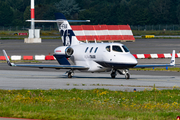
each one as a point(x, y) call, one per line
point(133, 27)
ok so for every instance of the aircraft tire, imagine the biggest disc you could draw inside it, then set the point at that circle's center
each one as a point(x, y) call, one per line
point(70, 75)
point(127, 75)
point(113, 75)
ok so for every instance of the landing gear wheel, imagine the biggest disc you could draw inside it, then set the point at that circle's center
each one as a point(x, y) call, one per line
point(127, 75)
point(70, 74)
point(113, 75)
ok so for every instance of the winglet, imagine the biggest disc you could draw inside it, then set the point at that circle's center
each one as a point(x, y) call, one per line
point(7, 59)
point(173, 58)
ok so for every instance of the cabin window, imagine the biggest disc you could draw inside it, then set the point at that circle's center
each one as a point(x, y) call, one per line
point(86, 49)
point(95, 50)
point(125, 48)
point(108, 48)
point(116, 48)
point(91, 50)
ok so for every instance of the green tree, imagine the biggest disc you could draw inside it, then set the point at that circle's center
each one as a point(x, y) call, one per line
point(99, 14)
point(42, 12)
point(121, 13)
point(18, 5)
point(67, 7)
point(160, 11)
point(138, 12)
point(178, 12)
point(133, 12)
point(84, 4)
point(45, 2)
point(18, 18)
point(6, 14)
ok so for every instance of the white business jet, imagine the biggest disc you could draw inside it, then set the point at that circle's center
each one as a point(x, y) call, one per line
point(91, 57)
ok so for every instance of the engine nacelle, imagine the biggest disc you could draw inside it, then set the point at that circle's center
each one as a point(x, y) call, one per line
point(64, 50)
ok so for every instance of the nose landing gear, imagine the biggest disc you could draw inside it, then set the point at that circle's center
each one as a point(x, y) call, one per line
point(124, 72)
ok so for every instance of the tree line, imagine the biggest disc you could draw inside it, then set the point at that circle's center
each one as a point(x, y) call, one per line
point(110, 12)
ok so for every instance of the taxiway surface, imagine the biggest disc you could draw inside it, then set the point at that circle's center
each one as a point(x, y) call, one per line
point(57, 80)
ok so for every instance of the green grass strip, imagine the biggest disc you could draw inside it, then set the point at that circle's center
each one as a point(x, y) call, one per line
point(97, 104)
point(176, 69)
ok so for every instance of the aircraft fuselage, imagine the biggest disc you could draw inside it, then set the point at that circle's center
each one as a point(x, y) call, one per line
point(101, 57)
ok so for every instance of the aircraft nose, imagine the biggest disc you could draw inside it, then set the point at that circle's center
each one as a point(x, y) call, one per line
point(135, 60)
point(129, 59)
point(132, 59)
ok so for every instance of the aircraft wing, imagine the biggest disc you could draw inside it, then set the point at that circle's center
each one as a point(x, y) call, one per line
point(74, 67)
point(151, 66)
point(172, 63)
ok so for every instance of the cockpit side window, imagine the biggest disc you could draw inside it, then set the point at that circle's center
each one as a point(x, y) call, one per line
point(91, 50)
point(125, 48)
point(86, 49)
point(116, 48)
point(108, 48)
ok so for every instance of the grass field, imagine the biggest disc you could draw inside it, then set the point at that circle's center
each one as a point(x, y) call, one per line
point(97, 104)
point(176, 69)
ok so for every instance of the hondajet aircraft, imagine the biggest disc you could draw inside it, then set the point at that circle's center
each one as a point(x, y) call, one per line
point(91, 57)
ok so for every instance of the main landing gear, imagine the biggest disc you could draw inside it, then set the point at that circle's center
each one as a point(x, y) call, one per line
point(70, 73)
point(113, 73)
point(124, 72)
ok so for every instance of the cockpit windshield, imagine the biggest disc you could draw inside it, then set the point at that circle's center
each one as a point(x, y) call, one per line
point(116, 48)
point(125, 48)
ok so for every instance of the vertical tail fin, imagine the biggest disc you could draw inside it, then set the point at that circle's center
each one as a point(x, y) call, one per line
point(66, 32)
point(67, 35)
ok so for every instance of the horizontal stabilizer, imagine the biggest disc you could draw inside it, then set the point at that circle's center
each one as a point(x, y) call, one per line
point(57, 21)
